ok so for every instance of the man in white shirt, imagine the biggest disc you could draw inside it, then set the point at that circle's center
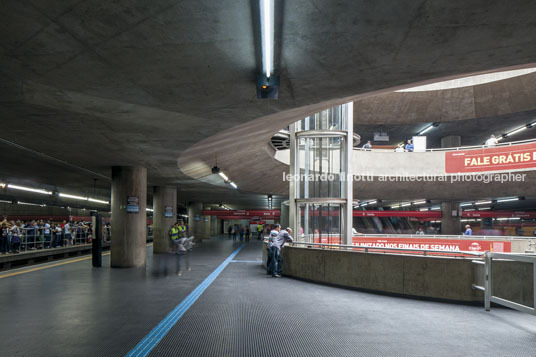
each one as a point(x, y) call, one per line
point(492, 141)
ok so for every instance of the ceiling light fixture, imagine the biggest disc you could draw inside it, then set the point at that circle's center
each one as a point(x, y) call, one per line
point(267, 35)
point(36, 190)
point(73, 196)
point(97, 201)
point(508, 199)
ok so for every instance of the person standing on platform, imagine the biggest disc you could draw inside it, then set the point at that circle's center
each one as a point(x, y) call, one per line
point(278, 243)
point(235, 231)
point(260, 229)
point(367, 146)
point(174, 236)
point(420, 231)
point(409, 146)
point(492, 141)
point(4, 234)
point(242, 231)
point(468, 231)
point(230, 231)
point(246, 235)
point(16, 233)
point(183, 230)
point(269, 258)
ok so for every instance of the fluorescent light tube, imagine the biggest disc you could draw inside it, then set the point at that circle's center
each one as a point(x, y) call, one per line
point(223, 176)
point(517, 130)
point(267, 35)
point(98, 201)
point(425, 130)
point(36, 190)
point(233, 184)
point(482, 203)
point(73, 196)
point(508, 199)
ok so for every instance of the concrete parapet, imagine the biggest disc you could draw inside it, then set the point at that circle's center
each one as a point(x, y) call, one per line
point(409, 275)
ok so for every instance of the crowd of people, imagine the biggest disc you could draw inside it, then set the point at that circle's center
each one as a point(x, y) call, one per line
point(40, 234)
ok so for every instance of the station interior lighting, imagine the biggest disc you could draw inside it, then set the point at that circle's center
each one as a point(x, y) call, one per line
point(217, 170)
point(423, 209)
point(483, 203)
point(419, 202)
point(464, 204)
point(98, 201)
point(508, 199)
point(267, 35)
point(30, 204)
point(269, 201)
point(405, 204)
point(435, 208)
point(5, 201)
point(395, 206)
point(73, 196)
point(23, 188)
point(149, 209)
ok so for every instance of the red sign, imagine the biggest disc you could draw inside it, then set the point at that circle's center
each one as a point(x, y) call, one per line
point(419, 214)
point(427, 243)
point(246, 213)
point(506, 158)
point(448, 245)
point(499, 214)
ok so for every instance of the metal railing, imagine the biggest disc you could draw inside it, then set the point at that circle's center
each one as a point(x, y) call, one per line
point(309, 238)
point(38, 238)
point(489, 257)
point(483, 146)
point(367, 249)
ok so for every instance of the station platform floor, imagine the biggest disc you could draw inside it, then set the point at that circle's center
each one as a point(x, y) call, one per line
point(226, 305)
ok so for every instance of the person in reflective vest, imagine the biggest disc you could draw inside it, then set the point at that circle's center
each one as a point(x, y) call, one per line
point(174, 232)
point(183, 230)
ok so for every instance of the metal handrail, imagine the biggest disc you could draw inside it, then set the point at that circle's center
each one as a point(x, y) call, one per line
point(438, 236)
point(483, 146)
point(366, 248)
point(489, 257)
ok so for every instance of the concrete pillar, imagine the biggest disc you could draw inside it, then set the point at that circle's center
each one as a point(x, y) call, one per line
point(450, 220)
point(164, 202)
point(129, 187)
point(284, 218)
point(451, 141)
point(199, 224)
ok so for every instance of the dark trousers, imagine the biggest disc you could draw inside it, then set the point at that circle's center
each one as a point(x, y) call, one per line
point(259, 235)
point(269, 265)
point(47, 240)
point(4, 245)
point(277, 261)
point(58, 241)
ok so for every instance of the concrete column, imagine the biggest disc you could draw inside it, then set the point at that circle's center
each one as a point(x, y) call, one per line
point(198, 227)
point(128, 229)
point(164, 199)
point(451, 141)
point(284, 218)
point(450, 224)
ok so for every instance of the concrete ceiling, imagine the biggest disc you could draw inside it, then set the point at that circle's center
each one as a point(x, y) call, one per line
point(101, 83)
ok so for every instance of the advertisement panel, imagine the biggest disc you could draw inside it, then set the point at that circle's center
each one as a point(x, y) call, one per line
point(447, 245)
point(505, 158)
point(428, 243)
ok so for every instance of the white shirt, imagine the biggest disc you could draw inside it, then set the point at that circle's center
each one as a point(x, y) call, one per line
point(492, 142)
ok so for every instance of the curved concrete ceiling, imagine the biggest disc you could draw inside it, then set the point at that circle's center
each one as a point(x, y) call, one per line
point(250, 162)
point(101, 83)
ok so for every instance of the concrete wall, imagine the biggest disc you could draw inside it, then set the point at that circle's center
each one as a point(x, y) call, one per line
point(418, 276)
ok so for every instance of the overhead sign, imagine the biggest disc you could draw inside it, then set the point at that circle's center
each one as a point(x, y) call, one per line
point(499, 214)
point(392, 213)
point(505, 158)
point(246, 213)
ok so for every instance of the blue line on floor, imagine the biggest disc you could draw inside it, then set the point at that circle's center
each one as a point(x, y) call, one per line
point(246, 261)
point(146, 345)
